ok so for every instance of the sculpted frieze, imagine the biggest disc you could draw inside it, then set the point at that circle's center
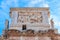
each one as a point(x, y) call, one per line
point(30, 17)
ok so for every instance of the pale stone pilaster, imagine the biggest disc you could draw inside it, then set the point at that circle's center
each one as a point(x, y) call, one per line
point(45, 17)
point(14, 17)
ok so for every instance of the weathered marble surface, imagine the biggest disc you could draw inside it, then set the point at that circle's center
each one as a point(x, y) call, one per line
point(33, 18)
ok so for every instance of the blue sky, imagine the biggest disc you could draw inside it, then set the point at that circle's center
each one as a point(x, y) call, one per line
point(5, 5)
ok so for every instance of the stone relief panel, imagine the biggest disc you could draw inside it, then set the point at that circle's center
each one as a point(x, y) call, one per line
point(32, 17)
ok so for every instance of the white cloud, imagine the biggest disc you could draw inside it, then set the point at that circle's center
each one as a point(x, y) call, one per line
point(9, 3)
point(45, 5)
point(38, 3)
point(59, 23)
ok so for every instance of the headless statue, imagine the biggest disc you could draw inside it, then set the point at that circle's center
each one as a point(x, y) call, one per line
point(7, 24)
point(52, 23)
point(6, 28)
